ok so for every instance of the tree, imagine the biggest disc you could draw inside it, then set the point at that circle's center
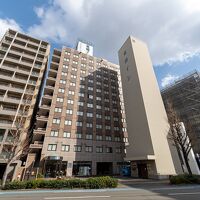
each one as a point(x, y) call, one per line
point(179, 137)
point(19, 138)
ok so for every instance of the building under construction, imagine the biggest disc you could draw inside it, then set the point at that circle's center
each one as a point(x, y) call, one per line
point(184, 94)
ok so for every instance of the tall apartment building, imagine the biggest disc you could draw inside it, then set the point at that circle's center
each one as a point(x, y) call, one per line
point(80, 127)
point(23, 62)
point(147, 125)
point(184, 94)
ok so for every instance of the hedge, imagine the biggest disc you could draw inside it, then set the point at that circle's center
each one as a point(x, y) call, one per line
point(89, 183)
point(185, 179)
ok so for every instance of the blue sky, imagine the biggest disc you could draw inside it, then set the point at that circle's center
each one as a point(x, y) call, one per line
point(170, 28)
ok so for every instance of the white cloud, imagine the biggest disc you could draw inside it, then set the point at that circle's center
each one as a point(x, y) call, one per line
point(5, 24)
point(168, 79)
point(170, 28)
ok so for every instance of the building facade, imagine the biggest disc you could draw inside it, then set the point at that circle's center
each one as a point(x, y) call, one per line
point(184, 94)
point(23, 63)
point(81, 127)
point(146, 118)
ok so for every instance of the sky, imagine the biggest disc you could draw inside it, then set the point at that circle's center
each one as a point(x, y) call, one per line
point(170, 28)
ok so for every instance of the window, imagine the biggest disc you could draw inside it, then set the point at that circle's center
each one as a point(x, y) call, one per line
point(117, 139)
point(108, 138)
point(58, 110)
point(107, 117)
point(90, 88)
point(89, 125)
point(74, 69)
point(82, 86)
point(65, 66)
point(68, 122)
point(106, 100)
point(56, 121)
point(66, 59)
point(66, 134)
point(98, 116)
point(107, 108)
point(69, 101)
point(77, 148)
point(81, 94)
point(99, 149)
point(62, 81)
point(71, 92)
point(106, 92)
point(116, 128)
point(64, 147)
point(90, 81)
point(90, 96)
point(88, 148)
point(126, 60)
point(74, 62)
point(78, 135)
point(99, 137)
point(64, 73)
point(59, 99)
point(124, 129)
point(75, 56)
point(69, 111)
point(98, 126)
point(82, 78)
point(108, 127)
point(98, 76)
point(89, 105)
point(89, 114)
point(108, 149)
point(98, 98)
point(61, 90)
point(114, 110)
point(67, 53)
point(73, 76)
point(80, 103)
point(116, 119)
point(52, 147)
point(123, 120)
point(83, 71)
point(91, 61)
point(89, 136)
point(83, 65)
point(72, 84)
point(98, 90)
point(83, 58)
point(79, 124)
point(54, 133)
point(118, 150)
point(125, 139)
point(79, 113)
point(98, 83)
point(98, 107)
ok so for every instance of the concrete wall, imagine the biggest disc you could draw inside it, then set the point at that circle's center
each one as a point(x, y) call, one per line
point(146, 117)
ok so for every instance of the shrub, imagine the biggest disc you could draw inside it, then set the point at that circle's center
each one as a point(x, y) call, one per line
point(15, 185)
point(184, 179)
point(90, 183)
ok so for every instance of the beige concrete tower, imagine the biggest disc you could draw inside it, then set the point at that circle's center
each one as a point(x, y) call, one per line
point(147, 125)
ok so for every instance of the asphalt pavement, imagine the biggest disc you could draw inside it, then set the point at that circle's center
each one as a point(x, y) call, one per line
point(128, 190)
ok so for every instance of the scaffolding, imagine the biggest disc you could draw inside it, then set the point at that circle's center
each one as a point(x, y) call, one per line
point(184, 94)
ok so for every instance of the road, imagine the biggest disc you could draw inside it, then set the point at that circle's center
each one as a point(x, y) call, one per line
point(126, 193)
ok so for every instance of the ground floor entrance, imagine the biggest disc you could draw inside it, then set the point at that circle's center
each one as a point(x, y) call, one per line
point(54, 167)
point(104, 168)
point(2, 169)
point(142, 170)
point(82, 168)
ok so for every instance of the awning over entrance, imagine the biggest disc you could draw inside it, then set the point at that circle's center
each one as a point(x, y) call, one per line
point(54, 158)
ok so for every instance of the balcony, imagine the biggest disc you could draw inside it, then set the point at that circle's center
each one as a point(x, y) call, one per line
point(5, 123)
point(47, 96)
point(40, 131)
point(44, 106)
point(3, 48)
point(8, 111)
point(50, 87)
point(36, 145)
point(43, 117)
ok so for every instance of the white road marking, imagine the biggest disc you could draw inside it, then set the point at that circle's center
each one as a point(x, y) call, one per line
point(184, 193)
point(80, 197)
